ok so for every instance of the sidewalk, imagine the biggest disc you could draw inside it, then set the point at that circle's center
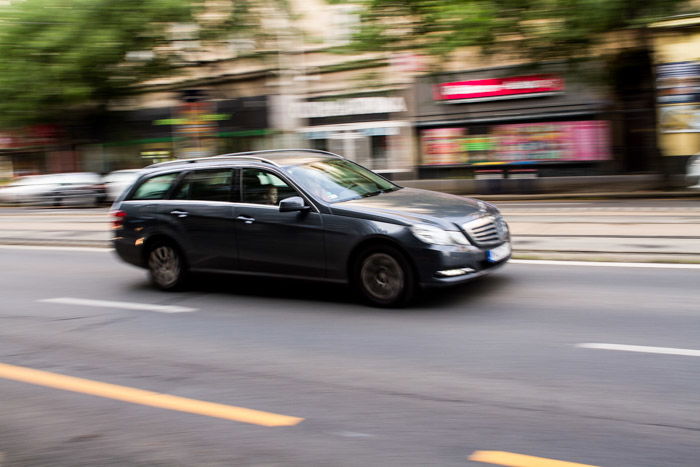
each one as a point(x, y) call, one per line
point(540, 230)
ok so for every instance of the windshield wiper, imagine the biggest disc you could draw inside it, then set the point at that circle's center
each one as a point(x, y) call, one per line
point(379, 192)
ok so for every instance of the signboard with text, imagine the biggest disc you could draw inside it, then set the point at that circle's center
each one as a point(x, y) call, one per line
point(515, 87)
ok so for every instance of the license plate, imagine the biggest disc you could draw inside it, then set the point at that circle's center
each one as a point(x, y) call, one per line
point(498, 253)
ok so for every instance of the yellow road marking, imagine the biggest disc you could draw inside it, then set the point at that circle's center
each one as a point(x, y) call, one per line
point(511, 459)
point(143, 397)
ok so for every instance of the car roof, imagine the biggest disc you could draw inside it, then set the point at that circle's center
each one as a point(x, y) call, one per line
point(272, 157)
point(125, 171)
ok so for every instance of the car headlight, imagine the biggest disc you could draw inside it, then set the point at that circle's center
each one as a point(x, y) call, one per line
point(437, 236)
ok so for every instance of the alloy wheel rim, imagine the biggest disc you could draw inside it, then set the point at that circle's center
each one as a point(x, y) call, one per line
point(382, 276)
point(165, 265)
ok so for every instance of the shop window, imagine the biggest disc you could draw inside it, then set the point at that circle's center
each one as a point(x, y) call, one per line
point(239, 144)
point(378, 152)
point(536, 142)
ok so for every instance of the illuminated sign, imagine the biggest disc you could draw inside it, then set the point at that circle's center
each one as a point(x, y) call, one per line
point(353, 106)
point(499, 88)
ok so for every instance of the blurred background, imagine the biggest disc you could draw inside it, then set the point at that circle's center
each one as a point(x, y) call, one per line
point(572, 116)
point(527, 96)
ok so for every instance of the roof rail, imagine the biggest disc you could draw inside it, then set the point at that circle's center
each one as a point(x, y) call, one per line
point(268, 151)
point(252, 155)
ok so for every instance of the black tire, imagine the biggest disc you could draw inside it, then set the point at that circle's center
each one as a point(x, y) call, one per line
point(383, 277)
point(166, 266)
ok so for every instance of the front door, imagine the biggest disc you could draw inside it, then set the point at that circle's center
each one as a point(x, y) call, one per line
point(271, 242)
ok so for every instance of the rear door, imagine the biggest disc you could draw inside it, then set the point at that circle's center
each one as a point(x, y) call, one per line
point(143, 208)
point(272, 242)
point(200, 209)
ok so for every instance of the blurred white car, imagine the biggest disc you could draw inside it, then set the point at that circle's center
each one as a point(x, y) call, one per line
point(118, 181)
point(693, 172)
point(77, 188)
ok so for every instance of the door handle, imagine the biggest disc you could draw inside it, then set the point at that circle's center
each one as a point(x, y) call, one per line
point(247, 220)
point(179, 213)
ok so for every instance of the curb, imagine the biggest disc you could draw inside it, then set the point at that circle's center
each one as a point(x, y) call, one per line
point(597, 256)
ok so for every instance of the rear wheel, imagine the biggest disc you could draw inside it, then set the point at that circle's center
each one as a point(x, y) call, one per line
point(166, 266)
point(384, 277)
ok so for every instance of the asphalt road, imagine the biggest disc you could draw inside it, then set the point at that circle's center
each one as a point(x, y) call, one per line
point(491, 366)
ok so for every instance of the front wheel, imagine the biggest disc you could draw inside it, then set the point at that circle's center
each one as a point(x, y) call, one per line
point(384, 277)
point(166, 266)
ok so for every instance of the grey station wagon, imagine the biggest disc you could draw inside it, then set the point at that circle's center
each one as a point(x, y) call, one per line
point(303, 214)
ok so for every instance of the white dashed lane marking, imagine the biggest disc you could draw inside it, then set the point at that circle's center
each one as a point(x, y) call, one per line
point(605, 264)
point(120, 305)
point(642, 349)
point(86, 249)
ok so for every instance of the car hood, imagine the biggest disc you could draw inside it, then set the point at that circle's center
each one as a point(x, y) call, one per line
point(412, 206)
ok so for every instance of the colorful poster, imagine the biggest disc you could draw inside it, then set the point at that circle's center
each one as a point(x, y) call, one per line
point(534, 142)
point(444, 146)
point(679, 118)
point(678, 95)
point(678, 83)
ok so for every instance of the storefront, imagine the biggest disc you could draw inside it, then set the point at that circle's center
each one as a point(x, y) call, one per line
point(372, 129)
point(34, 150)
point(502, 122)
point(196, 128)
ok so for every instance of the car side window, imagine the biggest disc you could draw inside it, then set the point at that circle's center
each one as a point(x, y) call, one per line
point(205, 185)
point(155, 187)
point(263, 187)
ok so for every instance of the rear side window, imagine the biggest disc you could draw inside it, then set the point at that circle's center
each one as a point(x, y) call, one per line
point(205, 185)
point(155, 187)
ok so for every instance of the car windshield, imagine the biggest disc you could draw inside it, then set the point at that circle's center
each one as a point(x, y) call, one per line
point(336, 180)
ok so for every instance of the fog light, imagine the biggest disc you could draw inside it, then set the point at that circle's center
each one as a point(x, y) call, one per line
point(454, 272)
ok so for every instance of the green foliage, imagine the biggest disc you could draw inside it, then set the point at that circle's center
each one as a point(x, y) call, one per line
point(533, 29)
point(57, 54)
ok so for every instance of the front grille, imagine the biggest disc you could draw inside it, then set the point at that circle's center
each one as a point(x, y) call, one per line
point(484, 231)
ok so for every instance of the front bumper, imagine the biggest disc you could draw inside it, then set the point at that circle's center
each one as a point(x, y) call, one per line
point(474, 260)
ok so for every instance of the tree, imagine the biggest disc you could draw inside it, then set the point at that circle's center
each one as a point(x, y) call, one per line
point(534, 30)
point(58, 54)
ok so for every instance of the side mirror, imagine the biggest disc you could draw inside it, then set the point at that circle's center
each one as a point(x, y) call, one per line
point(293, 203)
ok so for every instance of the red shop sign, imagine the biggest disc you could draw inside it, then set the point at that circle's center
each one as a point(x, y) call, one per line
point(499, 88)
